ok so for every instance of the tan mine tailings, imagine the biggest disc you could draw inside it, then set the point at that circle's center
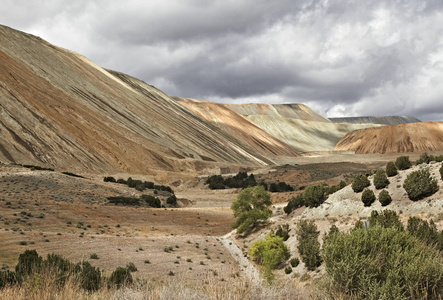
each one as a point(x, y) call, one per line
point(61, 110)
point(413, 137)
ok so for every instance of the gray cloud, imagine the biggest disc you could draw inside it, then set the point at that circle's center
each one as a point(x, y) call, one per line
point(341, 58)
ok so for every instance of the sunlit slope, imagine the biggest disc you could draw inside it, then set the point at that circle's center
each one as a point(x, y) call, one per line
point(412, 137)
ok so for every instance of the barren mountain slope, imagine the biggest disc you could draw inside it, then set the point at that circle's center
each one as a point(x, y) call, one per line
point(296, 125)
point(419, 137)
point(384, 120)
point(231, 122)
point(57, 108)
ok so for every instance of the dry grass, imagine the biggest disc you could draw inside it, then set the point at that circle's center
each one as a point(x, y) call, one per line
point(42, 288)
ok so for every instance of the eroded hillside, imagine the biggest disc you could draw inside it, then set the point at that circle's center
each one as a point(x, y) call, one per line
point(59, 109)
point(297, 125)
point(413, 137)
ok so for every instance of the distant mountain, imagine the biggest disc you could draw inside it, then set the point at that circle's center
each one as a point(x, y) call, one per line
point(412, 137)
point(386, 120)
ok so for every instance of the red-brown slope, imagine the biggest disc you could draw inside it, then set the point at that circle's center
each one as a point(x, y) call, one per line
point(223, 117)
point(412, 137)
point(59, 109)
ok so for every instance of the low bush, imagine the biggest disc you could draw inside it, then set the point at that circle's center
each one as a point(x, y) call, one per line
point(294, 203)
point(385, 218)
point(419, 185)
point(270, 253)
point(360, 183)
point(441, 172)
point(120, 277)
point(90, 276)
point(403, 163)
point(109, 179)
point(391, 169)
point(380, 179)
point(314, 196)
point(368, 197)
point(131, 267)
point(294, 262)
point(283, 231)
point(425, 231)
point(383, 263)
point(384, 198)
point(308, 244)
point(425, 158)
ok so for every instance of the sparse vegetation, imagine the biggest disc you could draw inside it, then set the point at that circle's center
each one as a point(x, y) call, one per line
point(312, 196)
point(140, 185)
point(250, 208)
point(419, 185)
point(425, 158)
point(242, 180)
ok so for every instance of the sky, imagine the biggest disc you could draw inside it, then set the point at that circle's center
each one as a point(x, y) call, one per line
point(341, 58)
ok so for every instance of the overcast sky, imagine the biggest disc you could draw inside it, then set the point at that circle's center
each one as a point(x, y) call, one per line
point(341, 58)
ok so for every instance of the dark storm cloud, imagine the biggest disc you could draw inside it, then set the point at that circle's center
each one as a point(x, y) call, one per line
point(340, 57)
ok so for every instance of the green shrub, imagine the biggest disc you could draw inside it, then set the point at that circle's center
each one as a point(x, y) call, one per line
point(59, 266)
point(283, 231)
point(425, 158)
point(294, 203)
point(28, 262)
point(120, 277)
point(314, 196)
point(368, 197)
point(172, 200)
point(391, 169)
point(360, 183)
point(403, 163)
point(441, 172)
point(250, 208)
point(288, 270)
point(131, 267)
point(93, 256)
point(419, 185)
point(335, 188)
point(308, 244)
point(7, 278)
point(89, 276)
point(270, 253)
point(384, 198)
point(383, 263)
point(386, 218)
point(109, 179)
point(380, 179)
point(294, 262)
point(425, 231)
